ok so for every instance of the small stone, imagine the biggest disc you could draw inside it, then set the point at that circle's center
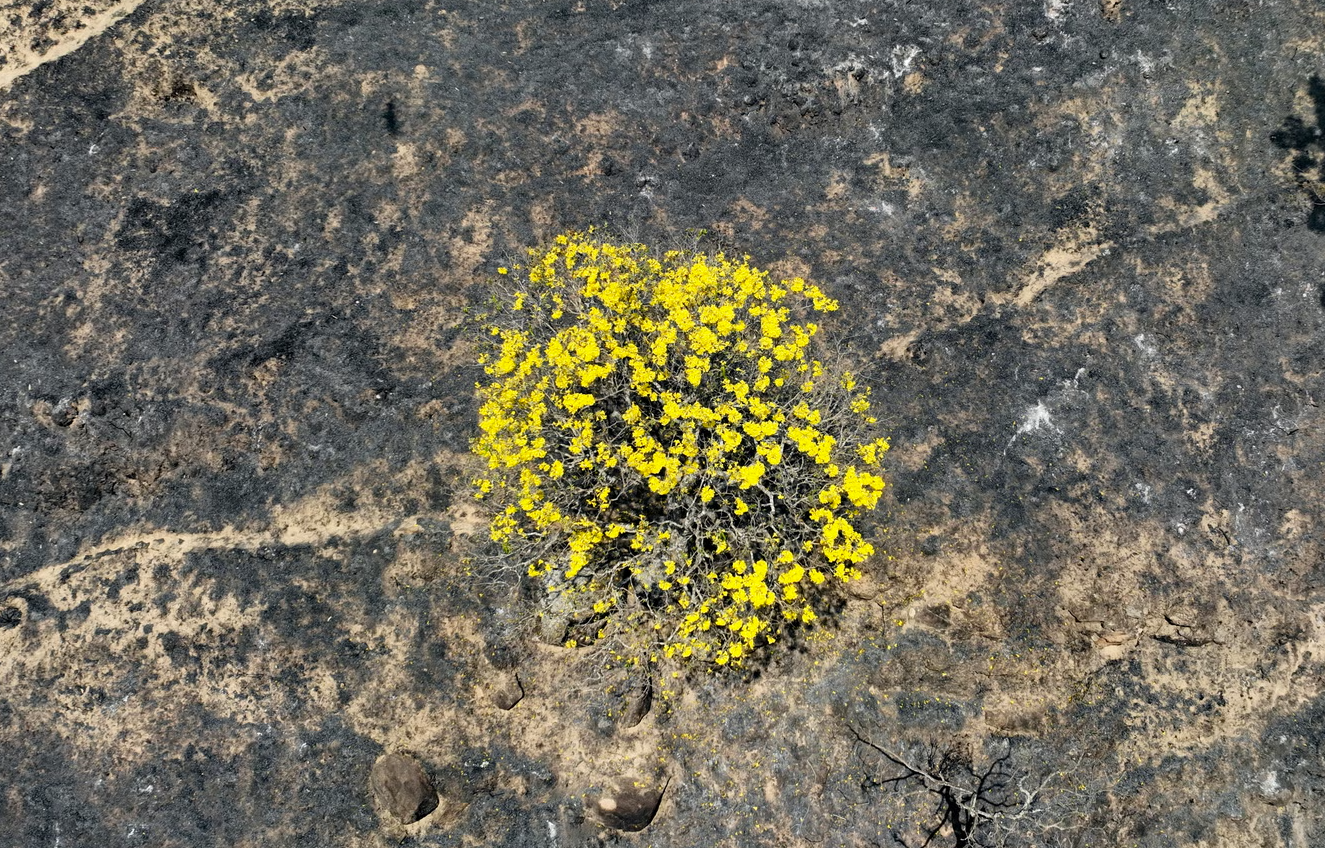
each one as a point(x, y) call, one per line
point(629, 808)
point(639, 701)
point(1272, 791)
point(64, 413)
point(1113, 637)
point(1091, 616)
point(508, 692)
point(402, 788)
point(552, 628)
point(936, 616)
point(1113, 644)
point(564, 610)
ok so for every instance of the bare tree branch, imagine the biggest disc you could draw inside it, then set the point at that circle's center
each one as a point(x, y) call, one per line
point(981, 805)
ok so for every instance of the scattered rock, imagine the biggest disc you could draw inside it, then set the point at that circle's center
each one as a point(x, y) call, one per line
point(508, 692)
point(1183, 637)
point(630, 808)
point(402, 788)
point(1186, 627)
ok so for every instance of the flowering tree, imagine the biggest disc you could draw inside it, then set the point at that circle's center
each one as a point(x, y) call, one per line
point(665, 454)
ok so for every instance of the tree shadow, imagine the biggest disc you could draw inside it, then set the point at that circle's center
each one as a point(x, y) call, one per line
point(1307, 143)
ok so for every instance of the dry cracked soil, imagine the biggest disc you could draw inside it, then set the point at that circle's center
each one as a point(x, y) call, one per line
point(1080, 246)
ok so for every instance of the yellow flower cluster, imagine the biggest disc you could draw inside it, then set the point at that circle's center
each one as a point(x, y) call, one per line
point(664, 451)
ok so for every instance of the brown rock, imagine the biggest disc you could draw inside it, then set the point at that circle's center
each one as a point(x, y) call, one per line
point(402, 788)
point(639, 700)
point(936, 616)
point(508, 692)
point(552, 628)
point(1090, 617)
point(1114, 644)
point(629, 808)
point(1113, 637)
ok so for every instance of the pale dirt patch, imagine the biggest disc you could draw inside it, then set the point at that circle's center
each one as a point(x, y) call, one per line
point(75, 23)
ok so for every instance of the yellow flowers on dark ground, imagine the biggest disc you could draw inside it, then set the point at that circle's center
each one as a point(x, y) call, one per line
point(667, 458)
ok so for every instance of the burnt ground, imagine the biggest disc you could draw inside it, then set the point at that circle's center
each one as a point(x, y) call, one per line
point(1080, 250)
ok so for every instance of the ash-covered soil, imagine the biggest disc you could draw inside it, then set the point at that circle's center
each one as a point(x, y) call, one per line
point(1080, 246)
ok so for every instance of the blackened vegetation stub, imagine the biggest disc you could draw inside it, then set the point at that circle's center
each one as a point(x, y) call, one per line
point(10, 617)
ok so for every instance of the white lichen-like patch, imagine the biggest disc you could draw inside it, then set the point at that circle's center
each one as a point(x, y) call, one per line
point(1037, 418)
point(902, 58)
point(1040, 416)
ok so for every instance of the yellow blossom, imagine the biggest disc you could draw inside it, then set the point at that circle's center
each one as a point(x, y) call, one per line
point(630, 395)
